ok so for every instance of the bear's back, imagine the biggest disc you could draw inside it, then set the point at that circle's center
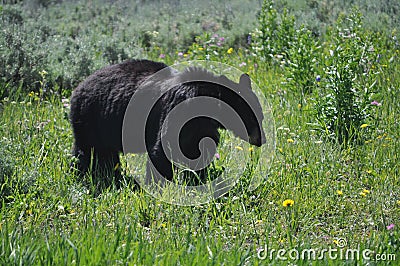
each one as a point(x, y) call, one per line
point(109, 89)
point(99, 103)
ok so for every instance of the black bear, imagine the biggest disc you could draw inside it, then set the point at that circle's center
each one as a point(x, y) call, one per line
point(99, 105)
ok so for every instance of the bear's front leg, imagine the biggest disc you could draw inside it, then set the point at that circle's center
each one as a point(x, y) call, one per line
point(158, 166)
point(107, 168)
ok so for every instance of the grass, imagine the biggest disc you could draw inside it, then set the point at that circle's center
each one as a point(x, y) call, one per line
point(50, 219)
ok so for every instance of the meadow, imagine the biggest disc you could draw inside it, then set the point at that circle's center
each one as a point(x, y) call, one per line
point(331, 78)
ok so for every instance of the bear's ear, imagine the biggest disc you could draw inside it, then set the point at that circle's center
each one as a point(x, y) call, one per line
point(245, 81)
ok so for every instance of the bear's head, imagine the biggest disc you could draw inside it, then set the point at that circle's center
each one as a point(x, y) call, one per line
point(245, 103)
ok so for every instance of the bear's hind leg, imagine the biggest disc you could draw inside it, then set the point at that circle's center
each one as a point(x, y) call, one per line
point(83, 159)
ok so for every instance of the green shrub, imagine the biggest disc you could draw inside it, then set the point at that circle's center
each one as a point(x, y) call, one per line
point(20, 57)
point(344, 67)
point(274, 33)
point(302, 59)
point(344, 102)
point(277, 40)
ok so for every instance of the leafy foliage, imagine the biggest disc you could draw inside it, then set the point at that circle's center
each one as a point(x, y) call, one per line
point(351, 74)
point(302, 62)
point(343, 69)
point(275, 33)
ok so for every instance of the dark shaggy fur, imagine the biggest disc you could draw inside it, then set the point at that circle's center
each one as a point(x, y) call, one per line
point(99, 103)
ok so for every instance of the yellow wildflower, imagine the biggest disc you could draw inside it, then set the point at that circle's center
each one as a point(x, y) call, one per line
point(230, 50)
point(43, 73)
point(251, 149)
point(288, 202)
point(290, 140)
point(339, 192)
point(239, 148)
point(366, 191)
point(364, 125)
